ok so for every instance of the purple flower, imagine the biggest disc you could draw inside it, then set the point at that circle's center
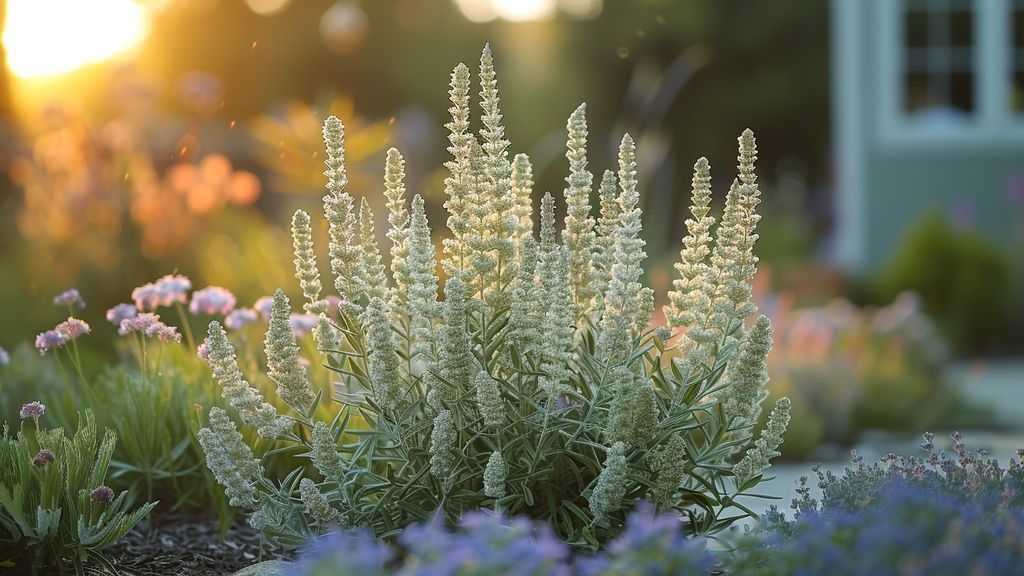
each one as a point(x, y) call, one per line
point(32, 410)
point(43, 458)
point(302, 324)
point(72, 328)
point(121, 312)
point(263, 305)
point(332, 304)
point(164, 292)
point(69, 298)
point(102, 494)
point(49, 339)
point(5, 358)
point(212, 300)
point(203, 350)
point(240, 318)
point(149, 324)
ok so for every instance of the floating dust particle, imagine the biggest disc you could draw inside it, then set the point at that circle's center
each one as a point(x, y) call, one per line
point(231, 126)
point(254, 44)
point(622, 52)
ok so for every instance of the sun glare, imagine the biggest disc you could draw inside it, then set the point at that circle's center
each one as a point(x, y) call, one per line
point(49, 37)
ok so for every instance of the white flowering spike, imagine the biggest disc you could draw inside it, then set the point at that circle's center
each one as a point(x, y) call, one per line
point(385, 375)
point(556, 329)
point(283, 364)
point(325, 335)
point(374, 281)
point(345, 252)
point(306, 269)
point(455, 355)
point(324, 453)
point(611, 484)
point(669, 463)
point(422, 293)
point(494, 475)
point(633, 415)
point(251, 407)
point(747, 157)
point(522, 194)
point(690, 302)
point(444, 440)
point(334, 142)
point(230, 460)
point(489, 401)
point(317, 505)
point(525, 316)
point(458, 185)
point(733, 255)
point(578, 234)
point(627, 303)
point(604, 241)
point(748, 375)
point(547, 223)
point(758, 458)
point(398, 231)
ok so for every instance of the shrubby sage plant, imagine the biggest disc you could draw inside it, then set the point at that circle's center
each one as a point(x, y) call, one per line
point(536, 386)
point(54, 505)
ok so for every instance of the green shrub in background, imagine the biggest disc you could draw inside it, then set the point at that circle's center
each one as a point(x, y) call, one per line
point(54, 504)
point(536, 387)
point(964, 280)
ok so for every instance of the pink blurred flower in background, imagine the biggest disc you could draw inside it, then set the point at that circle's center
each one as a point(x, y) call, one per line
point(69, 297)
point(240, 318)
point(121, 312)
point(212, 300)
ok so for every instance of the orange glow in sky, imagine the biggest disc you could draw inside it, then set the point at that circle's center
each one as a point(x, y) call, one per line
point(50, 37)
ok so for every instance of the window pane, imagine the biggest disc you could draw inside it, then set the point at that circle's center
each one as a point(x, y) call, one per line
point(961, 91)
point(961, 28)
point(917, 28)
point(918, 92)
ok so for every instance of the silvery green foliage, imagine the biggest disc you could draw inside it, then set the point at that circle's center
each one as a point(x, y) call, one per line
point(535, 386)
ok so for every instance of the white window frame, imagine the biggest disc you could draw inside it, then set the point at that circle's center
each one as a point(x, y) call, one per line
point(992, 123)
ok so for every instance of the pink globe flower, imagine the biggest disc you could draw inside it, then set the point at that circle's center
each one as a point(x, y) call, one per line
point(49, 340)
point(121, 312)
point(69, 297)
point(212, 300)
point(72, 328)
point(240, 318)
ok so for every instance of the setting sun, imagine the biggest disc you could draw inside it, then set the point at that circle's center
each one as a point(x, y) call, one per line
point(47, 37)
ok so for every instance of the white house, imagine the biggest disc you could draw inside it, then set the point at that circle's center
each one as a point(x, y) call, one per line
point(928, 115)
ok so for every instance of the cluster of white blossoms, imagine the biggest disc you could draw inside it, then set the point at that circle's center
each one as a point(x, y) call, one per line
point(536, 378)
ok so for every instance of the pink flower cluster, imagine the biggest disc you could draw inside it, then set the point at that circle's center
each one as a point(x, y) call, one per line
point(264, 305)
point(212, 300)
point(164, 292)
point(121, 312)
point(240, 318)
point(49, 340)
point(69, 297)
point(302, 324)
point(32, 410)
point(72, 328)
point(150, 326)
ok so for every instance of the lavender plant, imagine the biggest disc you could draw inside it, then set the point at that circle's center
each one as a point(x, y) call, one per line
point(54, 505)
point(941, 514)
point(536, 386)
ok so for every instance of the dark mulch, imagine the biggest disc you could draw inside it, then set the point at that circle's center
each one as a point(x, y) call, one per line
point(185, 548)
point(192, 549)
